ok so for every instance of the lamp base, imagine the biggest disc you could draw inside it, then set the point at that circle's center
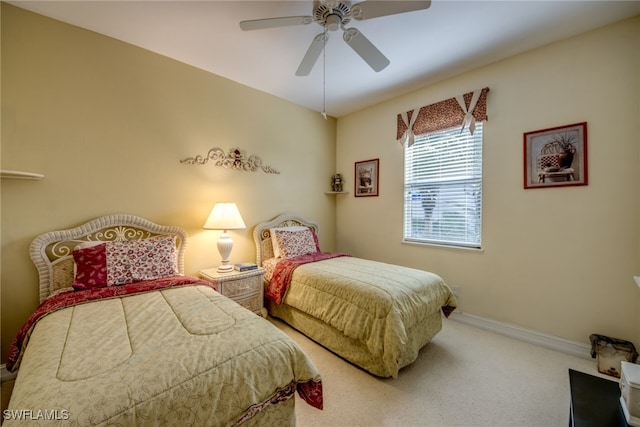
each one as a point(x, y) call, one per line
point(225, 244)
point(225, 268)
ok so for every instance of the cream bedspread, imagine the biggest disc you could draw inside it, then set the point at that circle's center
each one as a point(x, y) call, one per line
point(179, 356)
point(372, 302)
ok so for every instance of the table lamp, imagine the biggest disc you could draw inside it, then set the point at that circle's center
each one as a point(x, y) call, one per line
point(225, 216)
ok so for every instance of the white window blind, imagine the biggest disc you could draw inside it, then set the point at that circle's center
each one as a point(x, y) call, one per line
point(443, 188)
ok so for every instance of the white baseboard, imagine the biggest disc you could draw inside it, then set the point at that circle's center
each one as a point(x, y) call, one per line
point(549, 341)
point(6, 375)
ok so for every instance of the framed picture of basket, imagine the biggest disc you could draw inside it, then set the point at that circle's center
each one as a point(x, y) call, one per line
point(556, 157)
point(366, 179)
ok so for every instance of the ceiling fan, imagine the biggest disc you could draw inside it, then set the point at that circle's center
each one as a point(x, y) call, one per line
point(334, 14)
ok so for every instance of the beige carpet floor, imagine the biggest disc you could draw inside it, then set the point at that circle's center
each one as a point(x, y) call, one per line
point(464, 377)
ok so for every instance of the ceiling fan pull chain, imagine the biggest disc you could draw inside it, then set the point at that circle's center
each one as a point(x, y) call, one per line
point(324, 76)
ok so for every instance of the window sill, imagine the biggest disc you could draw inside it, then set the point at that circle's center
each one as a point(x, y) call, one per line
point(442, 246)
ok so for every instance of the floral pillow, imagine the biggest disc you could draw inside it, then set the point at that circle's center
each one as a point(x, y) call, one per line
point(119, 263)
point(293, 242)
point(155, 258)
point(276, 247)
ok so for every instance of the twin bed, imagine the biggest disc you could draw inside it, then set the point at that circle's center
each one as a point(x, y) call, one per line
point(375, 315)
point(160, 348)
point(122, 337)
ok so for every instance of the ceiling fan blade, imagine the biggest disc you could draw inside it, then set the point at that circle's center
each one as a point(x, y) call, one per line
point(374, 9)
point(312, 55)
point(365, 49)
point(259, 24)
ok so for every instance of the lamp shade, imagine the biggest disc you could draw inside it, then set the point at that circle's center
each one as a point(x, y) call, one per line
point(224, 216)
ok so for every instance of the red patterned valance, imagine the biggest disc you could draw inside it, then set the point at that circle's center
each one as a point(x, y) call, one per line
point(445, 114)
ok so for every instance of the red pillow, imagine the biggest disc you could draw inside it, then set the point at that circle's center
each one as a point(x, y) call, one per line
point(91, 267)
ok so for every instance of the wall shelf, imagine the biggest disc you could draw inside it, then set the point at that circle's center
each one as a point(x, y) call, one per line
point(9, 174)
point(336, 192)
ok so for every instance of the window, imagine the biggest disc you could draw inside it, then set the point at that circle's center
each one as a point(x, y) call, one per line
point(443, 188)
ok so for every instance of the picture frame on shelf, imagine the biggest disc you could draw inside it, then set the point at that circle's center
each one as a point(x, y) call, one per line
point(367, 178)
point(556, 157)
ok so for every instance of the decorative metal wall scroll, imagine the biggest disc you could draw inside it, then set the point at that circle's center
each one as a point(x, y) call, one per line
point(234, 159)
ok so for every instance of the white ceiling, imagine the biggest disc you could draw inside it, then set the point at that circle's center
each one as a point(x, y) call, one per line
point(424, 46)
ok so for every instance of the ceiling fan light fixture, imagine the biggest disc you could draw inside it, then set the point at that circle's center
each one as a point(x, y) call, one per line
point(333, 22)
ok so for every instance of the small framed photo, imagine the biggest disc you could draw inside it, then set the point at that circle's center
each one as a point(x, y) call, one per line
point(367, 176)
point(556, 157)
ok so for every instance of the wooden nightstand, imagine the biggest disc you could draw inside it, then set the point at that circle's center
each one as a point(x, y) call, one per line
point(244, 287)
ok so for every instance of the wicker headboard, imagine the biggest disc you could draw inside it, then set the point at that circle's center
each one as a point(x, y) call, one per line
point(52, 252)
point(262, 233)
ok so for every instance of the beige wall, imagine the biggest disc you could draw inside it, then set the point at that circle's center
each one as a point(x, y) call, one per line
point(558, 261)
point(107, 124)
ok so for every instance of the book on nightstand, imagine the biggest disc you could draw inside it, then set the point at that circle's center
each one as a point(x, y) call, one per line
point(245, 266)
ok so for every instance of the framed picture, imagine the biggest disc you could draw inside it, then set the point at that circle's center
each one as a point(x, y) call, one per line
point(366, 180)
point(556, 157)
